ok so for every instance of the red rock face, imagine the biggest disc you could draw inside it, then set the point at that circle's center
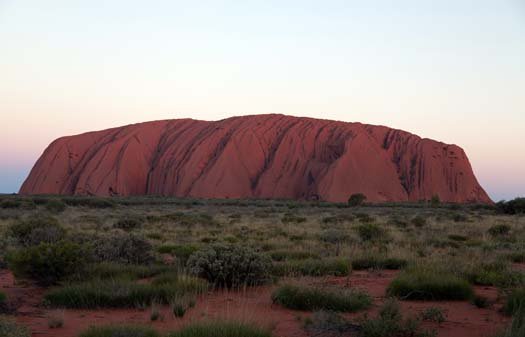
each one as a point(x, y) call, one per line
point(262, 156)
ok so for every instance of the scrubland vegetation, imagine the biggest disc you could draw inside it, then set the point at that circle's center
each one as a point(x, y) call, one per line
point(140, 253)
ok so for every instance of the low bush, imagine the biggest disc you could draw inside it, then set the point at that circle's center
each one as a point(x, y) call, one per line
point(515, 301)
point(55, 206)
point(457, 237)
point(356, 199)
point(390, 322)
point(458, 217)
point(333, 236)
point(230, 265)
point(370, 232)
point(121, 293)
point(516, 257)
point(397, 221)
point(378, 262)
point(179, 305)
point(13, 204)
point(516, 206)
point(364, 217)
point(284, 255)
point(480, 301)
point(91, 202)
point(495, 274)
point(312, 267)
point(330, 323)
point(499, 230)
point(419, 221)
point(290, 218)
point(313, 298)
point(120, 331)
point(182, 252)
point(433, 314)
point(429, 284)
point(111, 270)
point(48, 263)
point(186, 219)
point(128, 223)
point(36, 229)
point(9, 328)
point(337, 219)
point(121, 247)
point(220, 329)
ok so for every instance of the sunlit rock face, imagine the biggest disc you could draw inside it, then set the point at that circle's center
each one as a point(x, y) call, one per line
point(261, 156)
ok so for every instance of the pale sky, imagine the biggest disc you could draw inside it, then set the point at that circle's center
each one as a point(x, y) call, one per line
point(450, 70)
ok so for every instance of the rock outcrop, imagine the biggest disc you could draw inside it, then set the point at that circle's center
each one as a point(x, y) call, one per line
point(260, 156)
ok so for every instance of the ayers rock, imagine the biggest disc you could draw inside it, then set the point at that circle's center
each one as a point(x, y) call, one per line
point(260, 156)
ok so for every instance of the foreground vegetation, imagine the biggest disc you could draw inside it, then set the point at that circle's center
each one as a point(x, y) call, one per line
point(140, 252)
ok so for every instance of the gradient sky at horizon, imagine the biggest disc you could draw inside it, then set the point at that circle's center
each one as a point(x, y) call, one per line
point(450, 70)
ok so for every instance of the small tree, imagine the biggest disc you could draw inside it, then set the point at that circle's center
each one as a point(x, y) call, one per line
point(48, 263)
point(435, 201)
point(356, 199)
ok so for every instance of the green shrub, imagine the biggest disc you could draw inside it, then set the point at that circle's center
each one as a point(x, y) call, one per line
point(48, 263)
point(36, 229)
point(433, 314)
point(499, 230)
point(458, 217)
point(333, 236)
point(13, 204)
point(378, 262)
point(186, 219)
point(121, 248)
point(435, 201)
point(312, 298)
point(55, 206)
point(220, 329)
point(230, 265)
point(3, 297)
point(330, 323)
point(390, 323)
point(337, 219)
point(495, 274)
point(370, 232)
point(480, 301)
point(128, 223)
point(515, 301)
point(364, 217)
point(290, 218)
point(356, 199)
point(419, 221)
point(111, 270)
point(284, 255)
point(516, 206)
point(9, 328)
point(516, 257)
point(182, 252)
point(181, 304)
point(457, 237)
point(91, 202)
point(429, 284)
point(397, 221)
point(312, 267)
point(120, 331)
point(121, 293)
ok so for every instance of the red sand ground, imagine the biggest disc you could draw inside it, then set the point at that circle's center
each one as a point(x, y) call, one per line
point(261, 156)
point(255, 305)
